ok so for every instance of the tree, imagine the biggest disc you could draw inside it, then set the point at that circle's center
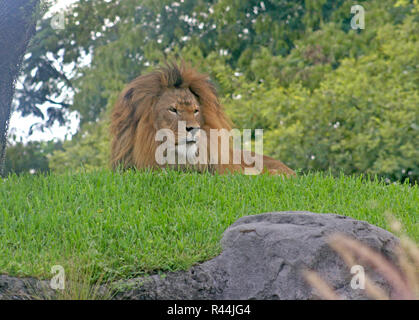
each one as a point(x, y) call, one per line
point(32, 157)
point(17, 26)
point(362, 117)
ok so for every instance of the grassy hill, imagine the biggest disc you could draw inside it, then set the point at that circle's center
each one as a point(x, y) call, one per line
point(120, 225)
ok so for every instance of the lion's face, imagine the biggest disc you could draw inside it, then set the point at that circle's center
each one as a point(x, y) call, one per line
point(179, 111)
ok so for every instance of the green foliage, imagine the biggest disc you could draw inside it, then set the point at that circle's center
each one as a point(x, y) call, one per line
point(409, 3)
point(126, 37)
point(361, 116)
point(88, 150)
point(121, 225)
point(30, 157)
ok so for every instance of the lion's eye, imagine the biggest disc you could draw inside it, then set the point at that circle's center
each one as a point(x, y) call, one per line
point(173, 110)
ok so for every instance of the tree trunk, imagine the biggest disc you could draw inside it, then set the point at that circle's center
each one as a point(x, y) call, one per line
point(17, 26)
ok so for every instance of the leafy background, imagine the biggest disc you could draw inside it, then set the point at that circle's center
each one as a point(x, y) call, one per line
point(328, 97)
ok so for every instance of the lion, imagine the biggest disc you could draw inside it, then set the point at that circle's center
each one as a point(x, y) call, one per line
point(164, 99)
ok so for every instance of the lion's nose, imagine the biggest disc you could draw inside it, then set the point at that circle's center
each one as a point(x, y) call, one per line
point(192, 129)
point(192, 134)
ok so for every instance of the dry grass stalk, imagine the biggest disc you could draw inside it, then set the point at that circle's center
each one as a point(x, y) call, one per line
point(403, 281)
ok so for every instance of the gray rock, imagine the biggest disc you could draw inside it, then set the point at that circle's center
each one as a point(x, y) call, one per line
point(262, 258)
point(12, 288)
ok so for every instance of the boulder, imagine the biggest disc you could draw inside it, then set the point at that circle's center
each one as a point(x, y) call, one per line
point(12, 288)
point(263, 257)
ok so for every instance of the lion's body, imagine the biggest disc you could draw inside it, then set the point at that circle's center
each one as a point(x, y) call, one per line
point(155, 101)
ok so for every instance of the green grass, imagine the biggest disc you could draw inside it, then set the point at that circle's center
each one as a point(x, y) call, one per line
point(120, 225)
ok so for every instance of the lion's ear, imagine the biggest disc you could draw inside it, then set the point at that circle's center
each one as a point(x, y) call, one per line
point(128, 95)
point(205, 92)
